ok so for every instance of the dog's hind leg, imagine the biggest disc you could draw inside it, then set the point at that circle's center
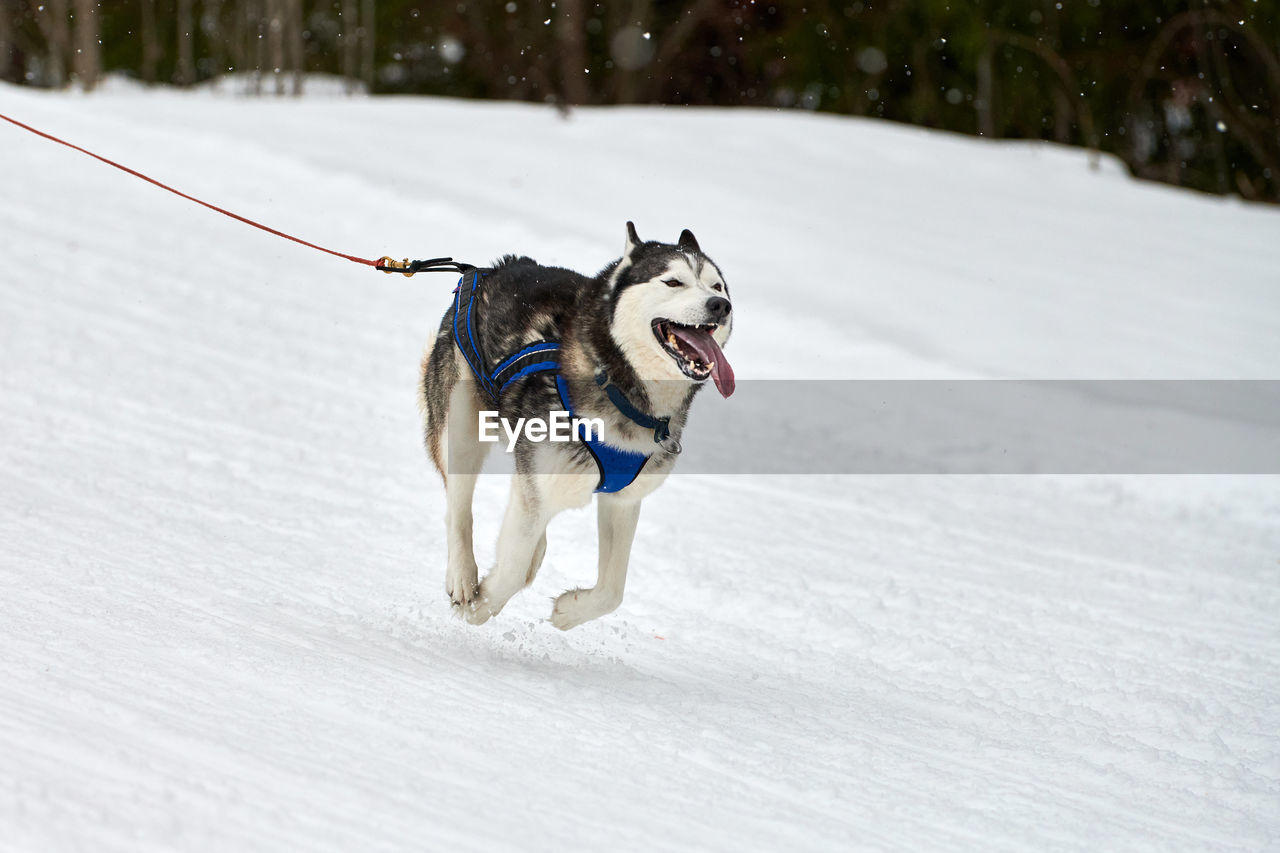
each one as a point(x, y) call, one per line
point(617, 521)
point(463, 454)
point(521, 543)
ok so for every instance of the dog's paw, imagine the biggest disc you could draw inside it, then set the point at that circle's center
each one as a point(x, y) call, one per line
point(462, 587)
point(479, 609)
point(575, 607)
point(477, 612)
point(462, 597)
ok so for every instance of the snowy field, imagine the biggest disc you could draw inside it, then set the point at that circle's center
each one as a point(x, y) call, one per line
point(222, 616)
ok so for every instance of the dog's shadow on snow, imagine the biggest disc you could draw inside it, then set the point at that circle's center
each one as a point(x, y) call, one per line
point(529, 655)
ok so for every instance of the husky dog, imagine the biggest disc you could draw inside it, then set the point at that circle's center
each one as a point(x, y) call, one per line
point(625, 351)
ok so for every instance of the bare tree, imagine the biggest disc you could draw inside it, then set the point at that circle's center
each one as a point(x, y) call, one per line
point(1257, 134)
point(151, 46)
point(7, 14)
point(87, 60)
point(284, 43)
point(367, 33)
point(294, 43)
point(572, 42)
point(625, 79)
point(55, 27)
point(349, 39)
point(258, 23)
point(185, 75)
point(211, 26)
point(678, 35)
point(985, 101)
point(244, 42)
point(275, 41)
point(537, 52)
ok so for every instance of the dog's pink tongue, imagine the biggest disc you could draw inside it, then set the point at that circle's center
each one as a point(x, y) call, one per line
point(710, 352)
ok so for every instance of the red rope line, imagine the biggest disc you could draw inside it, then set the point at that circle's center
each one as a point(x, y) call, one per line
point(236, 216)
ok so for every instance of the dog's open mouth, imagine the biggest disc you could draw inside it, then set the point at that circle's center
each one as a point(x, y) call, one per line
point(695, 352)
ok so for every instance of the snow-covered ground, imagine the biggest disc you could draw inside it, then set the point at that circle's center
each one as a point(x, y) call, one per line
point(222, 617)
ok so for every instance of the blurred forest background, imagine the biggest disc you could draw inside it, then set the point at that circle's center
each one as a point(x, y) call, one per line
point(1183, 92)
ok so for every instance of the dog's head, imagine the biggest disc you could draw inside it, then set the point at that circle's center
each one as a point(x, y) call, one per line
point(670, 311)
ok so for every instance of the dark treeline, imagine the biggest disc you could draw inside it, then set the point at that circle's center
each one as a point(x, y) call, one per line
point(1187, 93)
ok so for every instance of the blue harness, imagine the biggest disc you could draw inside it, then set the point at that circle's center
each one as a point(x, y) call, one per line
point(618, 467)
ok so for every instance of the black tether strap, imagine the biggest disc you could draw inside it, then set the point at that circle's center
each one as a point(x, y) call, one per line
point(408, 267)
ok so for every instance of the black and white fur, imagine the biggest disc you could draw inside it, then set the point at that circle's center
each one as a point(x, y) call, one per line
point(607, 321)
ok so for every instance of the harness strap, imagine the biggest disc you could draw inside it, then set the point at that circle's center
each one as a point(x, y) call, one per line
point(618, 467)
point(464, 330)
point(534, 358)
point(661, 426)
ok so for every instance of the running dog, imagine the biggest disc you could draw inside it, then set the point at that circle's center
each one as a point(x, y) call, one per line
point(617, 358)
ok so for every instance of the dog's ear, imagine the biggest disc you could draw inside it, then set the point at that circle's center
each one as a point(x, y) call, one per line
point(633, 240)
point(688, 243)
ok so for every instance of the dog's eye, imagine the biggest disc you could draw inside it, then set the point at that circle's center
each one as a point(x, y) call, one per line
point(717, 287)
point(674, 282)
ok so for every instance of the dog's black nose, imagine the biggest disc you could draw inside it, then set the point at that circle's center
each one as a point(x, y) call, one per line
point(719, 308)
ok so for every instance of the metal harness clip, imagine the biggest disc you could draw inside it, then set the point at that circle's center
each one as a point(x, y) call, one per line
point(388, 265)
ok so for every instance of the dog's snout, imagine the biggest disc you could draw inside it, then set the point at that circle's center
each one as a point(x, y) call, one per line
point(719, 308)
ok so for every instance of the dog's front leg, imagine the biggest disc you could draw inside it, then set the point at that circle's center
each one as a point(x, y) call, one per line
point(524, 528)
point(617, 519)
